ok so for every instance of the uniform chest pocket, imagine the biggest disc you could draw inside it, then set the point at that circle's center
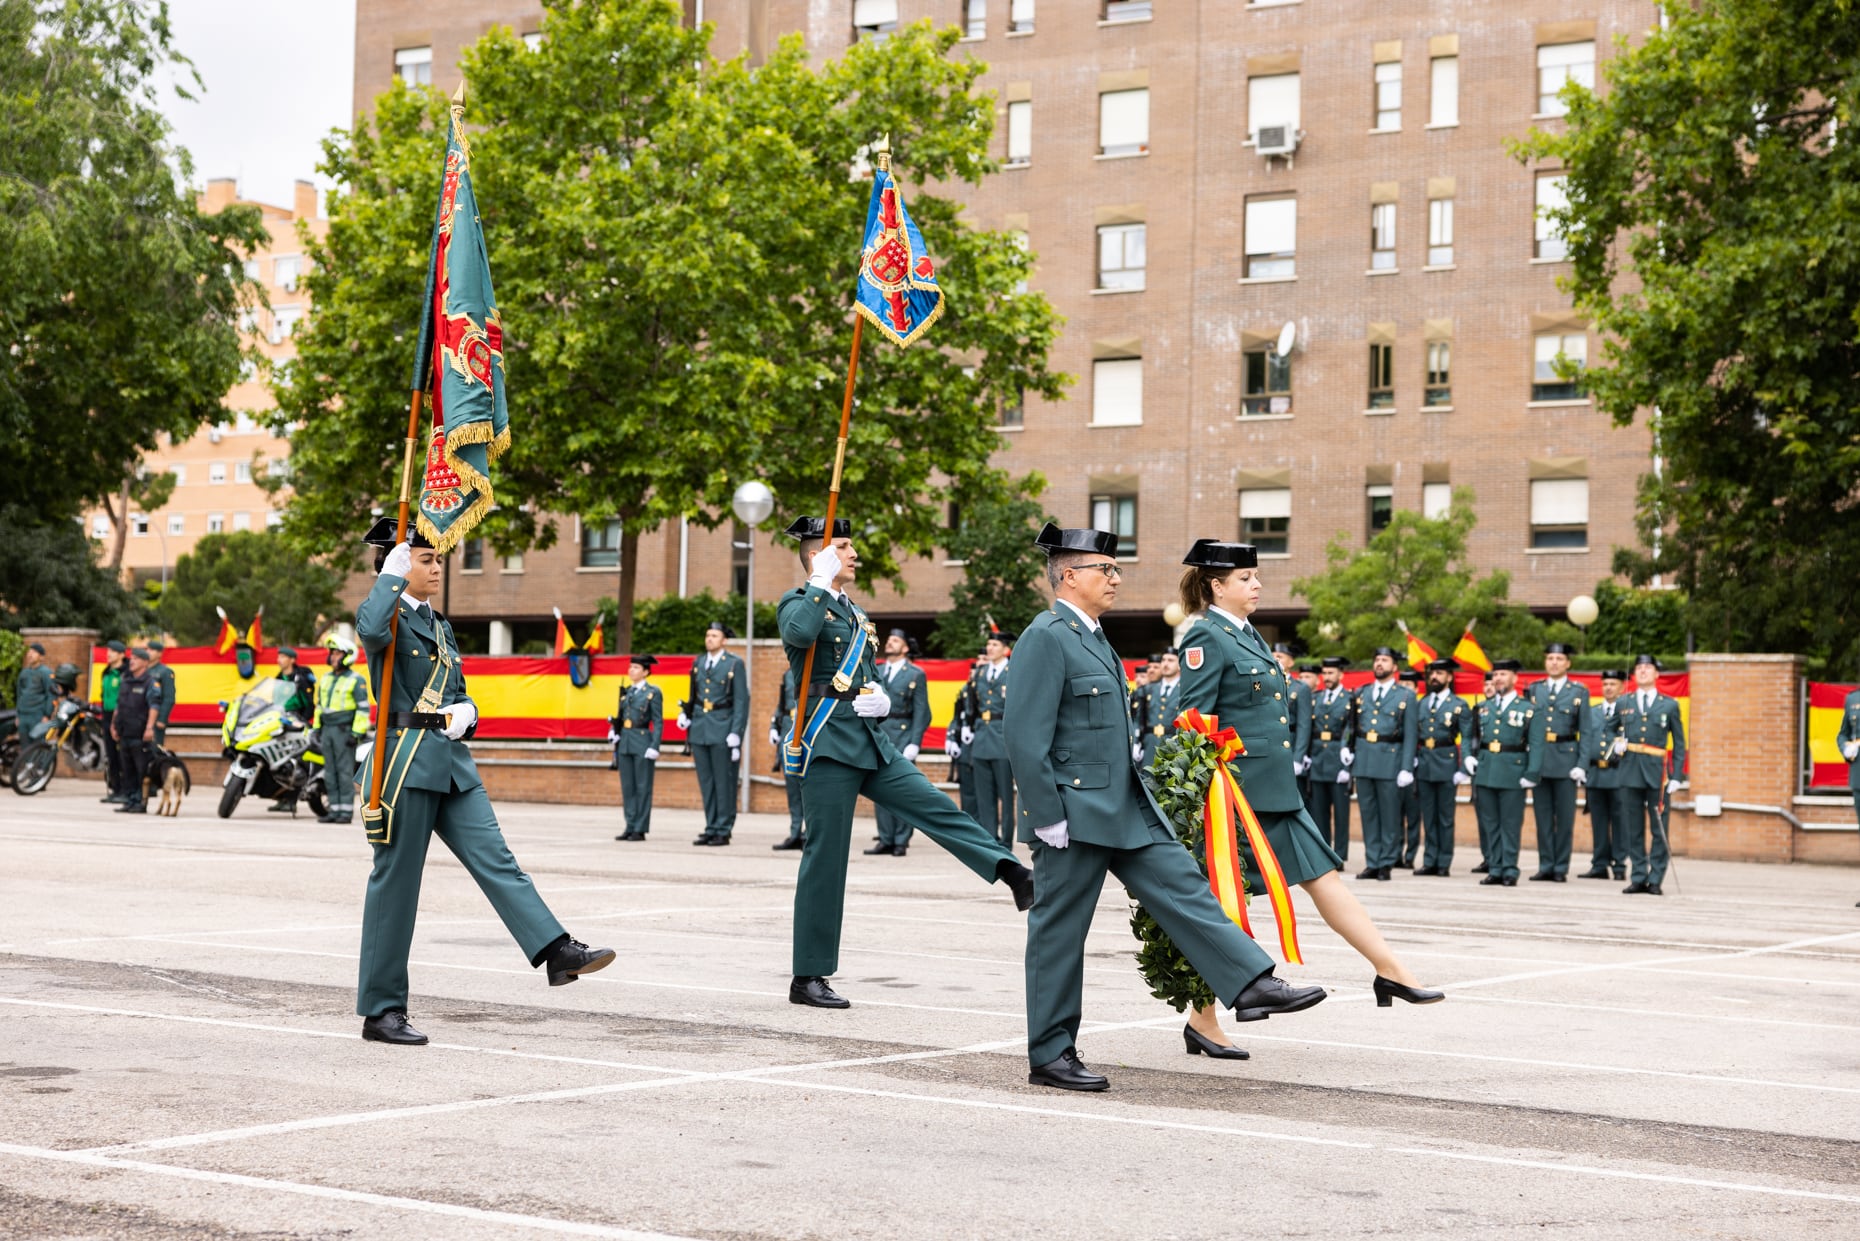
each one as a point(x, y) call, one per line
point(1096, 692)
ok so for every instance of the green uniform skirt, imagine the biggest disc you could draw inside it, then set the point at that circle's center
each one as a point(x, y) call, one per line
point(1295, 841)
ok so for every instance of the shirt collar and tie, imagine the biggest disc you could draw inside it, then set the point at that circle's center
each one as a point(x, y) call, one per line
point(1090, 622)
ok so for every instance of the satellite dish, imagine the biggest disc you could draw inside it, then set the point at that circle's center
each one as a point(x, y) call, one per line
point(1288, 336)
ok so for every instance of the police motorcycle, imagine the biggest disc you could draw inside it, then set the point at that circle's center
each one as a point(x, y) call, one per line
point(75, 726)
point(274, 754)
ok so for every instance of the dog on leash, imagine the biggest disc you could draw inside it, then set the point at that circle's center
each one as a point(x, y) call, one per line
point(168, 774)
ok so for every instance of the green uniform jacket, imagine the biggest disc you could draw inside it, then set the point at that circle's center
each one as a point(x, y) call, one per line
point(1652, 727)
point(641, 712)
point(1440, 739)
point(1070, 744)
point(33, 694)
point(1298, 694)
point(1229, 674)
point(1603, 769)
point(1560, 717)
point(1512, 725)
point(340, 693)
point(1162, 703)
point(812, 616)
point(909, 692)
point(991, 706)
point(1140, 723)
point(163, 676)
point(1384, 741)
point(1332, 731)
point(784, 709)
point(428, 675)
point(726, 688)
point(963, 717)
point(1850, 731)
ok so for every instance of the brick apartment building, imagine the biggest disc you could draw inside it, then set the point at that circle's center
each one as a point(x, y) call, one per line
point(1335, 165)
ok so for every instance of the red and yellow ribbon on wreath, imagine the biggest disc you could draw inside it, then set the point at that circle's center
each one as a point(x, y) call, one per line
point(1225, 805)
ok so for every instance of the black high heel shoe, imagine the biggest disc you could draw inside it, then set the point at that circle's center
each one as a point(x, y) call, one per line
point(1199, 1044)
point(1388, 991)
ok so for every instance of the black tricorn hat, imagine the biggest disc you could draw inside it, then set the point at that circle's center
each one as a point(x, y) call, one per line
point(1283, 648)
point(1557, 648)
point(1410, 674)
point(1214, 554)
point(1614, 674)
point(815, 527)
point(1443, 665)
point(721, 627)
point(1335, 661)
point(1313, 668)
point(1157, 658)
point(1648, 659)
point(1052, 539)
point(381, 534)
point(1006, 637)
point(1384, 650)
point(1507, 665)
point(644, 661)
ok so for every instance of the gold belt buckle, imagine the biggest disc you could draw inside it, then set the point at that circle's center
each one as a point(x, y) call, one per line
point(707, 704)
point(1492, 746)
point(1429, 743)
point(1324, 736)
point(1369, 736)
point(1159, 730)
point(986, 716)
point(626, 723)
point(1549, 736)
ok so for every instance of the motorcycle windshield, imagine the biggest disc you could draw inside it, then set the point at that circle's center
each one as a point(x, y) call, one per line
point(268, 695)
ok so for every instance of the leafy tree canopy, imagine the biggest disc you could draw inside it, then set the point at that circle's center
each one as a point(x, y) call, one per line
point(1002, 568)
point(675, 243)
point(242, 572)
point(1714, 224)
point(49, 577)
point(674, 625)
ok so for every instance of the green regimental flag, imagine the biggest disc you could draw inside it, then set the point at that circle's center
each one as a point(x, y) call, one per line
point(460, 357)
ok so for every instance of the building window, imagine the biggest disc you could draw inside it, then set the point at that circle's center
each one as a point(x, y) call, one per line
point(1436, 500)
point(1266, 519)
point(1118, 515)
point(177, 524)
point(1559, 512)
point(1272, 100)
point(1552, 196)
point(1013, 410)
point(1559, 64)
point(1117, 392)
point(600, 544)
point(473, 556)
point(874, 19)
point(242, 471)
point(216, 473)
point(1439, 373)
point(1388, 95)
point(1440, 232)
point(1555, 350)
point(1380, 501)
point(251, 270)
point(242, 521)
point(1126, 10)
point(1443, 96)
point(180, 474)
point(138, 524)
point(273, 519)
point(284, 272)
point(1124, 122)
point(975, 19)
point(1019, 238)
point(1020, 17)
point(216, 523)
point(1271, 237)
point(414, 65)
point(1381, 377)
point(277, 467)
point(513, 564)
point(1121, 256)
point(1268, 377)
point(99, 527)
point(532, 40)
point(1020, 132)
point(1382, 237)
point(283, 322)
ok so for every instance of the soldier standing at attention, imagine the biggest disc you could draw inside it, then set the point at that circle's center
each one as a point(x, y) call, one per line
point(1164, 703)
point(1506, 764)
point(845, 753)
point(636, 730)
point(1645, 723)
point(1382, 763)
point(340, 721)
point(1311, 679)
point(1441, 746)
point(111, 679)
point(1142, 681)
point(431, 788)
point(1333, 715)
point(1298, 702)
point(962, 724)
point(714, 735)
point(1411, 796)
point(790, 783)
point(163, 677)
point(1601, 778)
point(994, 779)
point(138, 702)
point(1561, 705)
point(909, 690)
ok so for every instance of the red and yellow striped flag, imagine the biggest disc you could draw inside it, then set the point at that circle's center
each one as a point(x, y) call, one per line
point(1470, 653)
point(1420, 654)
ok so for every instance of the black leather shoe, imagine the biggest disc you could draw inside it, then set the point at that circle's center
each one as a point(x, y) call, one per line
point(391, 1027)
point(1510, 881)
point(898, 850)
point(816, 993)
point(1068, 1073)
point(1019, 881)
point(1559, 879)
point(1199, 1044)
point(877, 849)
point(719, 840)
point(1620, 875)
point(572, 959)
point(1386, 874)
point(1266, 996)
point(133, 807)
point(1481, 869)
point(793, 842)
point(1653, 889)
point(1491, 881)
point(1369, 872)
point(1543, 876)
point(1595, 872)
point(705, 839)
point(1388, 991)
point(1637, 888)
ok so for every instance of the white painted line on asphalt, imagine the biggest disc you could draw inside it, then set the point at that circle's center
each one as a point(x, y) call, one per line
point(1602, 967)
point(1664, 1178)
point(423, 1206)
point(1492, 932)
point(1655, 1012)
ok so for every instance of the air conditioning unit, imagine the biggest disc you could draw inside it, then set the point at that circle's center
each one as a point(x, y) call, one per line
point(1276, 139)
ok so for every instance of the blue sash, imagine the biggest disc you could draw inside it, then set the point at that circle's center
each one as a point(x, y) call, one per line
point(796, 757)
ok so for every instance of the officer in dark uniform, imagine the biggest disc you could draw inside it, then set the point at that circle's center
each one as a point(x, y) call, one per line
point(164, 681)
point(1608, 855)
point(1162, 703)
point(791, 783)
point(714, 718)
point(138, 704)
point(636, 730)
point(1411, 796)
point(1503, 769)
point(1440, 747)
point(1333, 716)
point(32, 693)
point(1311, 678)
point(1381, 761)
point(302, 703)
point(962, 762)
point(1298, 710)
point(1650, 740)
point(994, 778)
point(1142, 680)
point(909, 690)
point(1561, 705)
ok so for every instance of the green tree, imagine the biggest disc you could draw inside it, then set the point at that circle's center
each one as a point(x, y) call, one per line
point(49, 576)
point(118, 297)
point(675, 243)
point(672, 624)
point(1415, 570)
point(242, 572)
point(1002, 569)
point(1631, 620)
point(1714, 225)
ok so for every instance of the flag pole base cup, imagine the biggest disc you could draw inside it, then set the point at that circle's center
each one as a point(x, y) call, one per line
point(794, 761)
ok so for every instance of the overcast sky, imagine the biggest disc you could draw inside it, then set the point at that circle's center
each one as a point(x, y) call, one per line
point(277, 77)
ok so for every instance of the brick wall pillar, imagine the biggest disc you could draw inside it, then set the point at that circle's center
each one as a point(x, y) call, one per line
point(1746, 743)
point(764, 689)
point(66, 646)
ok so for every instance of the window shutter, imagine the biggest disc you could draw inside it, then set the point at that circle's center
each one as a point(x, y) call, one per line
point(1272, 226)
point(1117, 392)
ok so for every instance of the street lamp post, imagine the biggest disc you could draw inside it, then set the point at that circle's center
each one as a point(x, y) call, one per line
point(752, 503)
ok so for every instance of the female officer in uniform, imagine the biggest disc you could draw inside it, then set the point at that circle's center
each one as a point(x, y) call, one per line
point(1228, 672)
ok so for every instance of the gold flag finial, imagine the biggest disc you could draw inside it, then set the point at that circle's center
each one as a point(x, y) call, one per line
point(458, 96)
point(881, 151)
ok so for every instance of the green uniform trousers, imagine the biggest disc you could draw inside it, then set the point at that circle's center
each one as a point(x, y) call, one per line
point(468, 826)
point(1437, 812)
point(1501, 827)
point(1642, 830)
point(1605, 852)
point(797, 814)
point(1411, 821)
point(636, 776)
point(1381, 804)
point(336, 736)
point(1553, 802)
point(717, 781)
point(1066, 886)
point(994, 799)
point(965, 785)
point(1330, 810)
point(829, 793)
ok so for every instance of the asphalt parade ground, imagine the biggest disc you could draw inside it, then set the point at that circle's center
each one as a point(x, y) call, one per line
point(179, 1058)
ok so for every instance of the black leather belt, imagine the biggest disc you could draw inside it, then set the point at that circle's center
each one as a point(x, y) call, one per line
point(1499, 748)
point(416, 719)
point(824, 689)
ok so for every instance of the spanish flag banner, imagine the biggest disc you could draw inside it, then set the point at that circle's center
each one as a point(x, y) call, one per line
point(1470, 653)
point(1827, 707)
point(1420, 654)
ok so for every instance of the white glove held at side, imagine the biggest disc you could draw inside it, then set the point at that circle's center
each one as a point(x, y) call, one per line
point(1851, 750)
point(684, 721)
point(460, 716)
point(734, 741)
point(398, 561)
point(1403, 779)
point(1343, 777)
point(774, 736)
point(1348, 756)
point(872, 703)
point(826, 568)
point(1578, 775)
point(1620, 746)
point(968, 734)
point(736, 755)
point(1526, 784)
point(911, 752)
point(1472, 764)
point(652, 755)
point(951, 748)
point(1460, 777)
point(1054, 834)
point(1303, 765)
point(1136, 751)
point(1672, 786)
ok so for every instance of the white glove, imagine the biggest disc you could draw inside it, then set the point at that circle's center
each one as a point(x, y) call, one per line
point(1578, 775)
point(911, 752)
point(1472, 764)
point(684, 721)
point(1620, 747)
point(1301, 766)
point(398, 561)
point(1054, 834)
point(1343, 777)
point(612, 736)
point(1348, 756)
point(1526, 784)
point(734, 741)
point(652, 754)
point(1403, 779)
point(736, 755)
point(460, 716)
point(1851, 750)
point(826, 568)
point(1136, 751)
point(1672, 786)
point(774, 736)
point(872, 703)
point(968, 734)
point(951, 748)
point(1460, 777)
